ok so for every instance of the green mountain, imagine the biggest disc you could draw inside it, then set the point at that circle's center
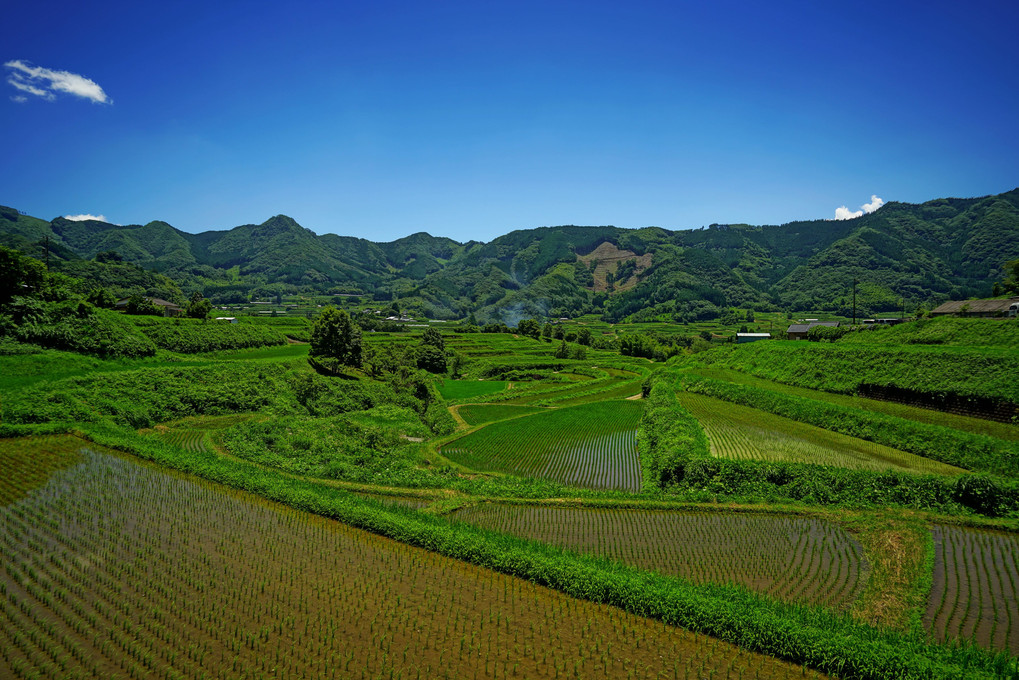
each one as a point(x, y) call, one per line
point(946, 248)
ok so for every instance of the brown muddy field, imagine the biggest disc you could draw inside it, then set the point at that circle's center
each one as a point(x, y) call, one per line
point(976, 587)
point(791, 558)
point(115, 569)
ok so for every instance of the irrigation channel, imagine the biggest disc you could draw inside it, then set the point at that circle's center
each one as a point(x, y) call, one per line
point(115, 569)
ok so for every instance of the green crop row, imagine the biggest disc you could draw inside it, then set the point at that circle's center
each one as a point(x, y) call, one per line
point(78, 328)
point(840, 367)
point(962, 449)
point(142, 398)
point(675, 456)
point(809, 636)
point(944, 330)
point(609, 390)
point(188, 336)
point(590, 446)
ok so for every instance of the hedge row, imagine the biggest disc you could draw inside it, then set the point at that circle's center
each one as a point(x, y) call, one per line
point(676, 457)
point(843, 367)
point(948, 445)
point(669, 437)
point(190, 336)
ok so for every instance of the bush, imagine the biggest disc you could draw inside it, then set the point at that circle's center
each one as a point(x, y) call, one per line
point(190, 336)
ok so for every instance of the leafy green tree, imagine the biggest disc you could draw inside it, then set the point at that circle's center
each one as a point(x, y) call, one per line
point(529, 328)
point(19, 275)
point(584, 337)
point(335, 336)
point(199, 307)
point(562, 351)
point(432, 353)
point(434, 338)
point(100, 297)
point(109, 257)
point(136, 304)
point(1011, 282)
point(431, 359)
point(750, 316)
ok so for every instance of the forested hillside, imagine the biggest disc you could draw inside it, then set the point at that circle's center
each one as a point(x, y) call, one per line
point(946, 248)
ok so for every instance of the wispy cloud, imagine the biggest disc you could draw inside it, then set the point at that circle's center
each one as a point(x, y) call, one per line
point(46, 83)
point(844, 213)
point(83, 217)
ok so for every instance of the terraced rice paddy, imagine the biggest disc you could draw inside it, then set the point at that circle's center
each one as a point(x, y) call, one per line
point(466, 389)
point(743, 433)
point(476, 414)
point(976, 587)
point(189, 440)
point(791, 558)
point(27, 462)
point(592, 446)
point(118, 570)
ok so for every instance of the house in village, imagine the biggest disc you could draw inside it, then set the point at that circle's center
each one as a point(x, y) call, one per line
point(798, 331)
point(168, 308)
point(979, 308)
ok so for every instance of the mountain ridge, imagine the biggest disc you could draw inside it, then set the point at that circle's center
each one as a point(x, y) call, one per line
point(926, 252)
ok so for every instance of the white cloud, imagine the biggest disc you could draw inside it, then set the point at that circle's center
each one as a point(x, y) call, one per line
point(46, 83)
point(83, 217)
point(844, 213)
point(874, 204)
point(19, 98)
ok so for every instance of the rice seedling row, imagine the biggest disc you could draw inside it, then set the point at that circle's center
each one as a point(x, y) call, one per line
point(612, 390)
point(188, 439)
point(976, 587)
point(28, 462)
point(476, 414)
point(743, 433)
point(118, 570)
point(791, 558)
point(592, 446)
point(465, 389)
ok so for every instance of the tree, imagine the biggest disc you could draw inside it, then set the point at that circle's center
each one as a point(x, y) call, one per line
point(750, 316)
point(136, 304)
point(199, 307)
point(335, 336)
point(529, 328)
point(100, 297)
point(562, 351)
point(434, 338)
point(432, 352)
point(1011, 282)
point(584, 336)
point(109, 257)
point(19, 275)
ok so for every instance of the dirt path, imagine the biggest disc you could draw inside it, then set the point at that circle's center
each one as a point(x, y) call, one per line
point(461, 424)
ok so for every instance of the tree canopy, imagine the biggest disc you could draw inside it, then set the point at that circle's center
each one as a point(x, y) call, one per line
point(335, 336)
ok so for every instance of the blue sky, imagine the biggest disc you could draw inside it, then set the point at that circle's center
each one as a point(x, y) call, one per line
point(471, 119)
